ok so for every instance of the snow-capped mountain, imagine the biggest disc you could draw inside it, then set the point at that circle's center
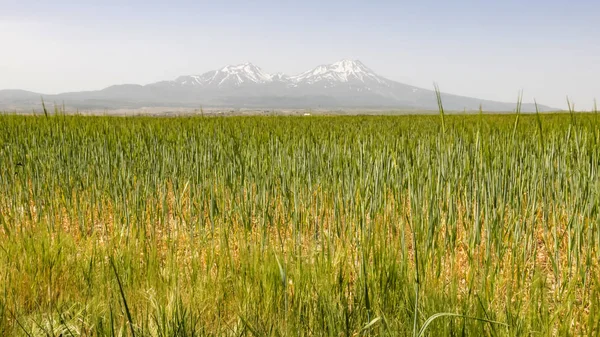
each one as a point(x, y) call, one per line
point(345, 71)
point(233, 75)
point(343, 84)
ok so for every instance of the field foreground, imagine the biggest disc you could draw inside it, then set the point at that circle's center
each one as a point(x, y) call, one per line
point(300, 226)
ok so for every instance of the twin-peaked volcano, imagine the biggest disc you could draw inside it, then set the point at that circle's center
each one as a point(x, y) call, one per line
point(343, 84)
point(345, 71)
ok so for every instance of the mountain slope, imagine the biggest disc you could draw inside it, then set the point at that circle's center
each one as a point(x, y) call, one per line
point(343, 84)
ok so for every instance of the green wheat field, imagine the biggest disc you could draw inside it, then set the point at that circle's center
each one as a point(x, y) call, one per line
point(448, 225)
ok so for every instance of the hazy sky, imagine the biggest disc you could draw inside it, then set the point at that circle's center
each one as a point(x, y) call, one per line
point(486, 49)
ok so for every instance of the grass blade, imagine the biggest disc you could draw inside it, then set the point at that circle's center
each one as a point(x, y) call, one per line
point(438, 95)
point(539, 123)
point(449, 314)
point(518, 112)
point(129, 319)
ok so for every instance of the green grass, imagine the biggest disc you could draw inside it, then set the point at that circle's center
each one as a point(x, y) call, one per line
point(300, 226)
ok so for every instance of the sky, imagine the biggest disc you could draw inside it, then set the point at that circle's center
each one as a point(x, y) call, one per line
point(486, 49)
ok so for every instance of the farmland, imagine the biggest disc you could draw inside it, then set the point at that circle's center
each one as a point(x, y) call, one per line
point(300, 226)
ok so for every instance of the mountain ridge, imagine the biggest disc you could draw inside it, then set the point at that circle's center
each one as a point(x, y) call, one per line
point(342, 84)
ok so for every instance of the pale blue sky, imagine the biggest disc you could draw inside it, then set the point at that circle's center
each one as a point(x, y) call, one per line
point(486, 49)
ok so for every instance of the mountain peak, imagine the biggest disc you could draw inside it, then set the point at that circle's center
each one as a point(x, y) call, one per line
point(343, 71)
point(237, 67)
point(231, 75)
point(350, 67)
point(348, 64)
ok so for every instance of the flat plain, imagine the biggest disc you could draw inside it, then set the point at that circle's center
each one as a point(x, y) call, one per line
point(476, 225)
